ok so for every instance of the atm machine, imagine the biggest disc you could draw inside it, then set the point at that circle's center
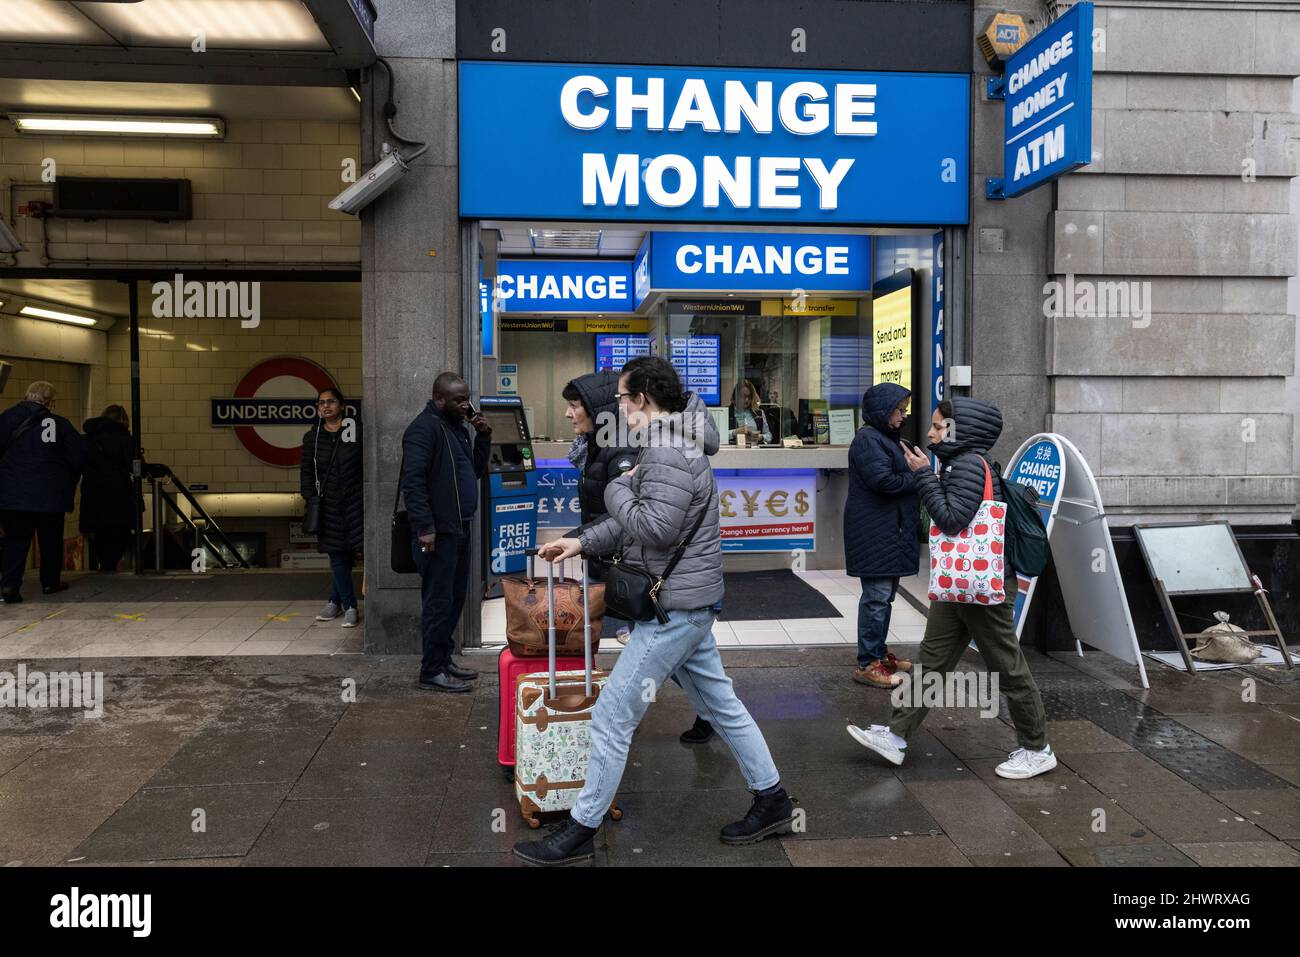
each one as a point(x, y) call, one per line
point(510, 491)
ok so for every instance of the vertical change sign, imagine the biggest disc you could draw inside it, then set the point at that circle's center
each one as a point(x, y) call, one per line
point(1047, 87)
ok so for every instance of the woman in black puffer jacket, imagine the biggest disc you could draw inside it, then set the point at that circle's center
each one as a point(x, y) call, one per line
point(331, 472)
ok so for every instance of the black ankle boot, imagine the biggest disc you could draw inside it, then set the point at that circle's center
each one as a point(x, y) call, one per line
point(701, 732)
point(567, 843)
point(771, 813)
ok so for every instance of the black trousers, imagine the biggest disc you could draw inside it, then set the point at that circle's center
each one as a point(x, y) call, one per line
point(19, 529)
point(109, 548)
point(444, 580)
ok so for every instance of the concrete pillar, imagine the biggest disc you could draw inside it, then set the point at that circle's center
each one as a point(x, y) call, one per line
point(411, 295)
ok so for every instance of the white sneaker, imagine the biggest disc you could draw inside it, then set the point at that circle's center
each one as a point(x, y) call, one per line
point(878, 738)
point(1024, 763)
point(350, 618)
point(329, 612)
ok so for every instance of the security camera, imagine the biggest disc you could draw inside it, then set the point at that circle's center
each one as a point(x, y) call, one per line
point(9, 239)
point(372, 185)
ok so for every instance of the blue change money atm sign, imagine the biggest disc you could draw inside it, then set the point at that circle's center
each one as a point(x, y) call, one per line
point(1047, 128)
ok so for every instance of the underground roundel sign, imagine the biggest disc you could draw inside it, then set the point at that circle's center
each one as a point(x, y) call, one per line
point(273, 404)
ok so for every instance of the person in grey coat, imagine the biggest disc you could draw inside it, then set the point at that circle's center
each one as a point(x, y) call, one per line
point(652, 509)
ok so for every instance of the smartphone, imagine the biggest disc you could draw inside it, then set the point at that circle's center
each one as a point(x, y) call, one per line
point(472, 411)
point(911, 447)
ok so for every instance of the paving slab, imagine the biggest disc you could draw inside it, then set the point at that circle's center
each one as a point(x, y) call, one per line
point(1276, 811)
point(1216, 768)
point(914, 851)
point(376, 769)
point(160, 823)
point(1153, 854)
point(975, 818)
point(1243, 854)
point(368, 832)
point(1190, 818)
point(1264, 736)
point(1125, 773)
point(681, 828)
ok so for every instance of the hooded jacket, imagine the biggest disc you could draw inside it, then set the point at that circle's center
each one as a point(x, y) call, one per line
point(881, 512)
point(653, 508)
point(953, 496)
point(598, 392)
point(108, 500)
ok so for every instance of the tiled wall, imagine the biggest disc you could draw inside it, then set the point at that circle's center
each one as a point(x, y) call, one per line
point(260, 195)
point(184, 363)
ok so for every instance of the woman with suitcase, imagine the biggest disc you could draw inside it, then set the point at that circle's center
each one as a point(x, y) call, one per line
point(593, 409)
point(666, 505)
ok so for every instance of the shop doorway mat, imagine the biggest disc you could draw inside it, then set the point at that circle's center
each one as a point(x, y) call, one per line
point(772, 595)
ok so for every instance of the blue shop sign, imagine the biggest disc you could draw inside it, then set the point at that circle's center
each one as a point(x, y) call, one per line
point(584, 141)
point(1047, 127)
point(562, 285)
point(761, 262)
point(557, 494)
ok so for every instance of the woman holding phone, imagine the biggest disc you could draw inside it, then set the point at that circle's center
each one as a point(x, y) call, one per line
point(668, 497)
point(962, 431)
point(330, 482)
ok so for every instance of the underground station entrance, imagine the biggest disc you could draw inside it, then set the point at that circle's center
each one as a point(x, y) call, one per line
point(228, 371)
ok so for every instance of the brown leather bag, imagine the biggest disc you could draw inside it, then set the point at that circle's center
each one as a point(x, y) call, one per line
point(526, 618)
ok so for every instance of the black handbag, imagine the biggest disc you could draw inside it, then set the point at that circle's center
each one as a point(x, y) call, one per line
point(399, 546)
point(633, 593)
point(311, 512)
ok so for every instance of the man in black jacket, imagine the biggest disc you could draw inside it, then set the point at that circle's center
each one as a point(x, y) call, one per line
point(41, 458)
point(440, 483)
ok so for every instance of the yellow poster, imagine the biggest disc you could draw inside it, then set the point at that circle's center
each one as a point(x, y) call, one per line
point(891, 339)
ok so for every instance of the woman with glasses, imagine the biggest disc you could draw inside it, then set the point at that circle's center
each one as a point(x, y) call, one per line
point(330, 480)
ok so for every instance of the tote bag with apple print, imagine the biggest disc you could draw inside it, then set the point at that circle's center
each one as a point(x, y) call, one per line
point(967, 567)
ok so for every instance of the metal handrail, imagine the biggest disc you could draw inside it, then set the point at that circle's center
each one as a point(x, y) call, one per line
point(158, 470)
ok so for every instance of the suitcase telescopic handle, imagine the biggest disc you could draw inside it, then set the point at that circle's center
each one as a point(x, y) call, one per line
point(550, 628)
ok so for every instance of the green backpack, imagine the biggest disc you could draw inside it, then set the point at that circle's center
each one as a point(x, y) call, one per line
point(1027, 548)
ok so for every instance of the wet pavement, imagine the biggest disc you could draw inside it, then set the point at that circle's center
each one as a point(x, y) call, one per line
point(340, 760)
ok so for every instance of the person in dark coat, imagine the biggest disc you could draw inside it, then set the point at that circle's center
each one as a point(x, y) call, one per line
point(330, 474)
point(442, 465)
point(41, 458)
point(108, 499)
point(880, 519)
point(962, 431)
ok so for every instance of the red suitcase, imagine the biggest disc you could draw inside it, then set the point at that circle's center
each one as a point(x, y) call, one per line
point(508, 669)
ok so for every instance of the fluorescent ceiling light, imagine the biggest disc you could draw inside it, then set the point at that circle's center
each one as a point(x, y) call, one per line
point(86, 124)
point(57, 316)
point(355, 93)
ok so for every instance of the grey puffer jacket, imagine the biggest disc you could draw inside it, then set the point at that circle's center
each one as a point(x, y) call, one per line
point(652, 508)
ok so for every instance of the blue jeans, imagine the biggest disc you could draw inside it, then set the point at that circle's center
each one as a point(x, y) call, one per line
point(342, 594)
point(683, 648)
point(874, 608)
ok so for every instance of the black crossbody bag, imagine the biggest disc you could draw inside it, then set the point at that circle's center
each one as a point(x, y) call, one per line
point(633, 593)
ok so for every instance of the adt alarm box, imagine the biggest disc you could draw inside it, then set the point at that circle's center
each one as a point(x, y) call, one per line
point(512, 489)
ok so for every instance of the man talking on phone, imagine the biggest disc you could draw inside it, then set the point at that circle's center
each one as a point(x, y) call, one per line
point(441, 469)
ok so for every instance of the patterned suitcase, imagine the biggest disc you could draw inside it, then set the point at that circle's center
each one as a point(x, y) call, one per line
point(553, 726)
